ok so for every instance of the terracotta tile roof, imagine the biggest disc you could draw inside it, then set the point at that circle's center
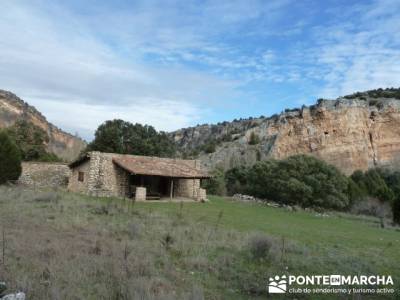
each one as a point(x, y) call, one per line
point(145, 165)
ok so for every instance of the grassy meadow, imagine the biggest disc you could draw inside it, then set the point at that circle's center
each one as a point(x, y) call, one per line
point(60, 245)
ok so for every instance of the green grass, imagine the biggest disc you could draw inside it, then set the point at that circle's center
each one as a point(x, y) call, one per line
point(360, 235)
point(334, 241)
point(68, 246)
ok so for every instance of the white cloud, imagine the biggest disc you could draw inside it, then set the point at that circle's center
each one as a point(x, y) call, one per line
point(361, 53)
point(52, 59)
point(351, 48)
point(81, 118)
point(171, 65)
point(269, 56)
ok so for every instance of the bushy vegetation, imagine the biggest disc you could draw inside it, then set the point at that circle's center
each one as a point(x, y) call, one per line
point(118, 136)
point(254, 139)
point(236, 180)
point(31, 141)
point(378, 93)
point(216, 184)
point(190, 154)
point(383, 185)
point(372, 183)
point(262, 247)
point(210, 146)
point(308, 182)
point(396, 210)
point(10, 159)
point(298, 180)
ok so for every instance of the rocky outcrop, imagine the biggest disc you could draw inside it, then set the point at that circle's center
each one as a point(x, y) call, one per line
point(359, 131)
point(63, 144)
point(353, 132)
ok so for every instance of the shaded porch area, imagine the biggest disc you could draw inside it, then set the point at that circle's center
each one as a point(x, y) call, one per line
point(157, 178)
point(157, 187)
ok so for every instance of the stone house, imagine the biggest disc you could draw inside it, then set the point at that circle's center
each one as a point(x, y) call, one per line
point(139, 177)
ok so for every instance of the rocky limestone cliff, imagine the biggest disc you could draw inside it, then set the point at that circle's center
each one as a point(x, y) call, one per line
point(359, 131)
point(63, 144)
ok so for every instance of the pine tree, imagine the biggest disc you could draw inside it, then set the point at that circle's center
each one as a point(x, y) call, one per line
point(10, 159)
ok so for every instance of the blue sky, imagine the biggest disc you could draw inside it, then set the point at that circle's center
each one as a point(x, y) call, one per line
point(174, 64)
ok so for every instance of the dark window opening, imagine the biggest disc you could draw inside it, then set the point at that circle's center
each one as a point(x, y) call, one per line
point(81, 176)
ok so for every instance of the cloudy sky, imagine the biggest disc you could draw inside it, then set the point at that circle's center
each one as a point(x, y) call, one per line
point(173, 64)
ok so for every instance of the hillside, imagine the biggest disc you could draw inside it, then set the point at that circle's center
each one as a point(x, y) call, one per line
point(353, 132)
point(63, 144)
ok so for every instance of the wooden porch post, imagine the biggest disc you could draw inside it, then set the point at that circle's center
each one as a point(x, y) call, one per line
point(172, 188)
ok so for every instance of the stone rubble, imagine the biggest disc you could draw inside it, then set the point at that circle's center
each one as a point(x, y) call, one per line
point(248, 198)
point(17, 296)
point(14, 296)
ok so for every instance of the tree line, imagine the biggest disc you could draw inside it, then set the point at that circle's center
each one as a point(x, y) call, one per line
point(26, 142)
point(118, 136)
point(309, 182)
point(298, 180)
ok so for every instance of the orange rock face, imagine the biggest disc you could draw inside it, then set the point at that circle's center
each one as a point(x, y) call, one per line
point(351, 134)
point(349, 137)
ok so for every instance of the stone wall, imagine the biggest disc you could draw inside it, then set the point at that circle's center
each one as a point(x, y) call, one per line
point(44, 175)
point(106, 179)
point(201, 195)
point(103, 178)
point(186, 188)
point(122, 179)
point(74, 184)
point(140, 194)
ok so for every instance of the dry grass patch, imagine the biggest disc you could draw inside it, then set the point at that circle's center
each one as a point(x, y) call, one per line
point(65, 246)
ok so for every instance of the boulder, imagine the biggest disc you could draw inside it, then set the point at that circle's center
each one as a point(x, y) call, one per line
point(241, 197)
point(17, 296)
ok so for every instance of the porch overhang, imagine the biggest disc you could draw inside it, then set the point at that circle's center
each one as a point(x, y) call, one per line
point(152, 166)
